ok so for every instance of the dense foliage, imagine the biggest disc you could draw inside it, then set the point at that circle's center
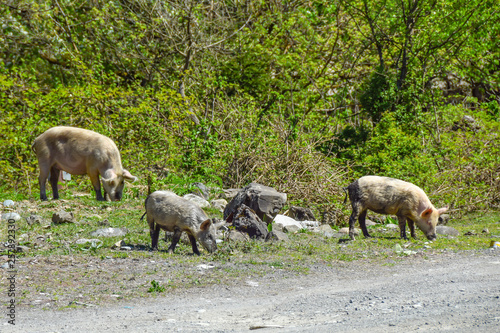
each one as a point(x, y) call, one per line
point(304, 96)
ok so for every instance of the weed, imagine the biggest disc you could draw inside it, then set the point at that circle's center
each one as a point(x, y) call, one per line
point(156, 287)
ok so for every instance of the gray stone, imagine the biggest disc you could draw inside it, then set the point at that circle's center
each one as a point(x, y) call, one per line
point(301, 214)
point(219, 204)
point(325, 230)
point(291, 228)
point(63, 217)
point(370, 223)
point(230, 193)
point(199, 201)
point(109, 232)
point(247, 221)
point(278, 226)
point(201, 190)
point(277, 236)
point(443, 219)
point(265, 201)
point(346, 231)
point(11, 216)
point(236, 236)
point(445, 230)
point(34, 219)
point(23, 249)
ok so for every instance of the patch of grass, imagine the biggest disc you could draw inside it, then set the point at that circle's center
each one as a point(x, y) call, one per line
point(96, 272)
point(156, 287)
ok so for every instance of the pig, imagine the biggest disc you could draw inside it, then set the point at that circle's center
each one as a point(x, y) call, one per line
point(166, 210)
point(385, 195)
point(79, 151)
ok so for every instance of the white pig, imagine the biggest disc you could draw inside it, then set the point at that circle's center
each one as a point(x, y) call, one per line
point(166, 210)
point(385, 195)
point(78, 152)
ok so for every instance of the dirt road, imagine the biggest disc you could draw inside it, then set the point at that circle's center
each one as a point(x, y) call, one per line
point(445, 292)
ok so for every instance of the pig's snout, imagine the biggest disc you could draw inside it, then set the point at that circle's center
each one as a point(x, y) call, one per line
point(431, 237)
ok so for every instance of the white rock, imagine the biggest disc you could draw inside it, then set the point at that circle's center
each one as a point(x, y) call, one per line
point(8, 203)
point(109, 232)
point(286, 221)
point(11, 216)
point(85, 240)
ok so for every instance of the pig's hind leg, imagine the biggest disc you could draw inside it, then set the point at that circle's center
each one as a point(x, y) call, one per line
point(42, 180)
point(352, 219)
point(54, 178)
point(362, 223)
point(154, 232)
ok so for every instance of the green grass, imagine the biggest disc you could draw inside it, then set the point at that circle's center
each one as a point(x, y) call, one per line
point(232, 261)
point(476, 231)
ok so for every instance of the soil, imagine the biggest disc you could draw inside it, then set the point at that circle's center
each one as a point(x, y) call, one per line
point(450, 291)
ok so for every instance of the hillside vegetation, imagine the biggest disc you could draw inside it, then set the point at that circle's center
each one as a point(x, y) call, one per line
point(303, 96)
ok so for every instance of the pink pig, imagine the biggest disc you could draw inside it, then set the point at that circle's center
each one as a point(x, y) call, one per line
point(78, 152)
point(385, 195)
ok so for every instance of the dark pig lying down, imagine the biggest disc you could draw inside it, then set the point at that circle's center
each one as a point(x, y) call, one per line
point(391, 196)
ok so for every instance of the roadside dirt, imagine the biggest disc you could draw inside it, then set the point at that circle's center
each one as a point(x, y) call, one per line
point(455, 292)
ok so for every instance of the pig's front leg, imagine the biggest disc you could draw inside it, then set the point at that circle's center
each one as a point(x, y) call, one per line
point(411, 226)
point(94, 178)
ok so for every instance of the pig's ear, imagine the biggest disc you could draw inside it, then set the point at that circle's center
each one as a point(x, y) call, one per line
point(206, 225)
point(442, 210)
point(127, 175)
point(426, 213)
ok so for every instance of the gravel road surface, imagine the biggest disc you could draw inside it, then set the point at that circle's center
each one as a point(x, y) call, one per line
point(446, 292)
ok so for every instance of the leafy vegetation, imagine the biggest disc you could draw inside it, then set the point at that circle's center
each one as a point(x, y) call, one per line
point(304, 96)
